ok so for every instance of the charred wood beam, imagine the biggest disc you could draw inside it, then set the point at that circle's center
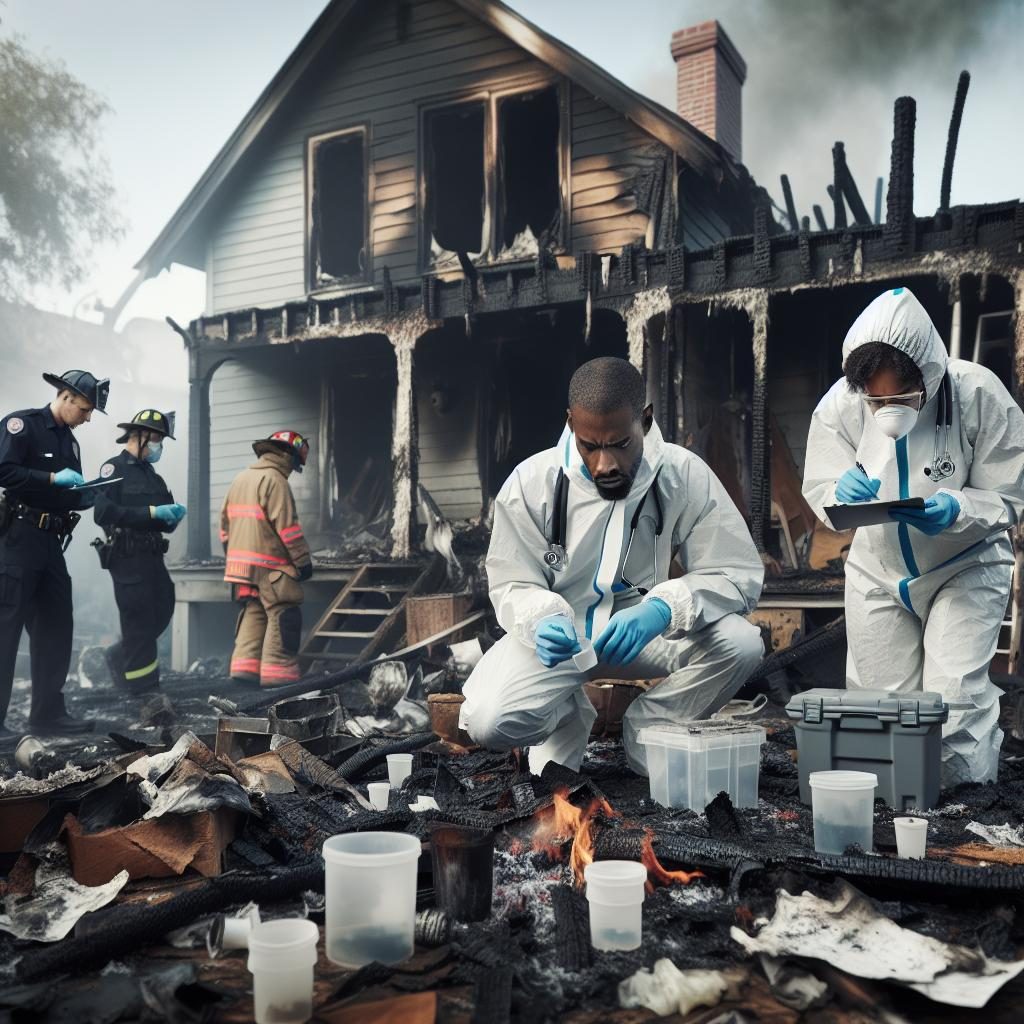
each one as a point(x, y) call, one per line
point(879, 183)
point(819, 217)
point(899, 213)
point(133, 926)
point(787, 195)
point(760, 454)
point(951, 139)
point(835, 190)
point(198, 457)
point(845, 183)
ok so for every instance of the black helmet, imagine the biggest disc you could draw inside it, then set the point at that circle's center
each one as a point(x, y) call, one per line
point(289, 441)
point(153, 420)
point(84, 384)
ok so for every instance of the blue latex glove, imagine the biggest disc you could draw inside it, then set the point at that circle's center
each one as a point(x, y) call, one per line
point(939, 513)
point(68, 478)
point(169, 514)
point(630, 631)
point(556, 642)
point(855, 485)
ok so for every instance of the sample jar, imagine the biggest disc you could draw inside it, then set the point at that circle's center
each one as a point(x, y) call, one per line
point(843, 807)
point(463, 863)
point(911, 837)
point(380, 794)
point(615, 892)
point(282, 955)
point(370, 887)
point(399, 769)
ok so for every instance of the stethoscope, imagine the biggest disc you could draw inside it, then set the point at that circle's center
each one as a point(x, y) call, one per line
point(942, 465)
point(555, 557)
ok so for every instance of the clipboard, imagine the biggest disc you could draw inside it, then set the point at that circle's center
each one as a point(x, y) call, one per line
point(867, 513)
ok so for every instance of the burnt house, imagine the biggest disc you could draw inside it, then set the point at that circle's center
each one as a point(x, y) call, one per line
point(406, 243)
point(436, 211)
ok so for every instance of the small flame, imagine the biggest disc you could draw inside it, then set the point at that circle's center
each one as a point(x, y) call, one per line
point(657, 873)
point(565, 821)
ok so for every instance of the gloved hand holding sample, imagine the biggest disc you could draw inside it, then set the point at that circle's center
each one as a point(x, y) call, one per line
point(631, 630)
point(855, 485)
point(556, 641)
point(939, 513)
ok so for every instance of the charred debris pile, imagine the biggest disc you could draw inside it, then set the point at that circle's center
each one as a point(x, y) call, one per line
point(128, 859)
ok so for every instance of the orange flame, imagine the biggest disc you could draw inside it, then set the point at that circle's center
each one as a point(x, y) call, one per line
point(564, 821)
point(657, 873)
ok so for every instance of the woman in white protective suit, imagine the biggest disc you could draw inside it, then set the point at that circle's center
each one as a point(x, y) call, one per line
point(926, 594)
point(580, 549)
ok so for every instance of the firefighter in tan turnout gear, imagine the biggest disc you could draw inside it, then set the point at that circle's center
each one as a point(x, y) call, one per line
point(267, 561)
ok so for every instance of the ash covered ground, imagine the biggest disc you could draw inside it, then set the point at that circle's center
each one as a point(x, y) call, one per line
point(532, 960)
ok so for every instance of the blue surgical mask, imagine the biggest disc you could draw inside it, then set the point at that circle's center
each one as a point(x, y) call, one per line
point(153, 451)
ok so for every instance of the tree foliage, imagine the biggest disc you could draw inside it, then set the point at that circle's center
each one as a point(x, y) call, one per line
point(56, 193)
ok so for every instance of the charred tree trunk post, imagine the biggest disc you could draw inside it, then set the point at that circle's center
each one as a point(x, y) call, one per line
point(678, 375)
point(1017, 632)
point(899, 212)
point(838, 206)
point(848, 187)
point(951, 139)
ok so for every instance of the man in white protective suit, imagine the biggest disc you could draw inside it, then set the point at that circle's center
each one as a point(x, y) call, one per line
point(580, 549)
point(926, 594)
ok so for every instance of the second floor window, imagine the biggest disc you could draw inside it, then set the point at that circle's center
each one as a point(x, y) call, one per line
point(337, 207)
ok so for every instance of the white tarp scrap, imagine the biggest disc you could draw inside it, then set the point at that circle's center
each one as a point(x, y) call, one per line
point(56, 902)
point(998, 835)
point(851, 935)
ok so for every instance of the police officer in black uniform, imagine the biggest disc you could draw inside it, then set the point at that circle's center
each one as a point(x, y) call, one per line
point(135, 513)
point(40, 467)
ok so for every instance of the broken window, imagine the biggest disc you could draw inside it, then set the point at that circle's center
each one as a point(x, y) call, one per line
point(529, 177)
point(338, 230)
point(455, 180)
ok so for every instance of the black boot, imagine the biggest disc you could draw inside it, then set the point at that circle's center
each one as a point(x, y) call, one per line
point(61, 724)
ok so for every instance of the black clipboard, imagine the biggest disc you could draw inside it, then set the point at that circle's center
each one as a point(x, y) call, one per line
point(867, 513)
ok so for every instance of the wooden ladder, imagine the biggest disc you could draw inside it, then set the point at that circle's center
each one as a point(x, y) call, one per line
point(367, 617)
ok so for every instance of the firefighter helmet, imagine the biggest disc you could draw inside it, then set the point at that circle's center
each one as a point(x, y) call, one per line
point(286, 441)
point(153, 420)
point(83, 384)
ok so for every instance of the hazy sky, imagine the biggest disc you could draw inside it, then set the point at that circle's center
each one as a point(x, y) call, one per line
point(179, 76)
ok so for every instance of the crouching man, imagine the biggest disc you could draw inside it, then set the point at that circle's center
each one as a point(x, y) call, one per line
point(582, 540)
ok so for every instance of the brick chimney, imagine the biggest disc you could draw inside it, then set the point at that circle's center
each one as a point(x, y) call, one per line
point(709, 83)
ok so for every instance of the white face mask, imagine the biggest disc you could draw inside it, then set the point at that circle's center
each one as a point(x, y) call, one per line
point(896, 421)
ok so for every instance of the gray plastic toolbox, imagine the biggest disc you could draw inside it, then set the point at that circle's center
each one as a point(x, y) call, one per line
point(898, 736)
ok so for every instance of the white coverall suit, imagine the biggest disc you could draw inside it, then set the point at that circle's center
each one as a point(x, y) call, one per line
point(924, 612)
point(706, 652)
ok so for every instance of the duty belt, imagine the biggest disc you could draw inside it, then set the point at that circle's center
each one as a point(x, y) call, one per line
point(136, 542)
point(56, 522)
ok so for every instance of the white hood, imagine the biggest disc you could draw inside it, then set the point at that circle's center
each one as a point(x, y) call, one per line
point(898, 319)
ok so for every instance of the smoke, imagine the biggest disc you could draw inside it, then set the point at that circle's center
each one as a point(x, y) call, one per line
point(826, 70)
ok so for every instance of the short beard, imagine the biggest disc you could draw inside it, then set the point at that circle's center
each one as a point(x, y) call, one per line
point(620, 491)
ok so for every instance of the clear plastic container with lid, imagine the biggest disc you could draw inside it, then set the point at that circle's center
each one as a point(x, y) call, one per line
point(843, 805)
point(691, 763)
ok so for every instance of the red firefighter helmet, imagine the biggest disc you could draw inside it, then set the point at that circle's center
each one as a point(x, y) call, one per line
point(290, 441)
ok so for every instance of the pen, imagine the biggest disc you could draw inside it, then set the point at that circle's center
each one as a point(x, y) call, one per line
point(860, 466)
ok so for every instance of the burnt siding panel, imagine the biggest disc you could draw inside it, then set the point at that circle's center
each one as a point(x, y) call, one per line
point(609, 157)
point(372, 77)
point(247, 403)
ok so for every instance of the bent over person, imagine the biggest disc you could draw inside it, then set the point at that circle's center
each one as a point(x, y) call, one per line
point(267, 561)
point(926, 593)
point(582, 540)
point(135, 510)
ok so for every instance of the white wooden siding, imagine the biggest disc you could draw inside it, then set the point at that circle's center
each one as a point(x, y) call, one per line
point(257, 256)
point(247, 403)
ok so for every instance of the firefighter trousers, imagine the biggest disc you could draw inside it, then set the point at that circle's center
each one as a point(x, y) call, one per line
point(145, 600)
point(35, 594)
point(269, 630)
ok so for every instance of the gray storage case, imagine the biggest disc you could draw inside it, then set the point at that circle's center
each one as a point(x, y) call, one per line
point(898, 736)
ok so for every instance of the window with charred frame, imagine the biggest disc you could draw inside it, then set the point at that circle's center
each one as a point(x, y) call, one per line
point(455, 177)
point(338, 198)
point(529, 171)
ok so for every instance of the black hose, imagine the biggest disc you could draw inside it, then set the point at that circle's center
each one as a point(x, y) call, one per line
point(359, 764)
point(134, 926)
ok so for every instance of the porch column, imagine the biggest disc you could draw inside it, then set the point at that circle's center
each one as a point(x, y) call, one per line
point(198, 456)
point(761, 447)
point(403, 335)
point(645, 306)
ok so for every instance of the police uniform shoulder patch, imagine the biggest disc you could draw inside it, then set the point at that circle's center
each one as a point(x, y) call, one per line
point(107, 470)
point(15, 425)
